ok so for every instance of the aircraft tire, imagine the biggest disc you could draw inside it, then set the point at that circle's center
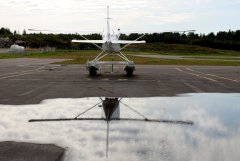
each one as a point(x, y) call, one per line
point(92, 72)
point(129, 72)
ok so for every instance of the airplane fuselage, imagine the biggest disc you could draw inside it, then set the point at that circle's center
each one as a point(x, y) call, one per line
point(111, 109)
point(108, 46)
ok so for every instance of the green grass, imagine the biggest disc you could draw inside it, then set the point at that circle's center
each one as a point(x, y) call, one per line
point(64, 54)
point(158, 61)
point(81, 56)
point(180, 50)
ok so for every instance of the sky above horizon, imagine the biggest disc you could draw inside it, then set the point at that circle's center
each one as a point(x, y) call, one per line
point(205, 16)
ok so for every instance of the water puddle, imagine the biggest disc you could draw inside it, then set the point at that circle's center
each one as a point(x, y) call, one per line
point(210, 127)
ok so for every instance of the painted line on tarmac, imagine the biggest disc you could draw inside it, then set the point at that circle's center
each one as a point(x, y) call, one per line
point(25, 71)
point(12, 76)
point(32, 90)
point(122, 80)
point(213, 75)
point(25, 79)
point(223, 78)
point(196, 89)
point(213, 80)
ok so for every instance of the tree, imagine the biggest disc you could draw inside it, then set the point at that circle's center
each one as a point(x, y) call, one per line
point(5, 32)
point(211, 36)
point(24, 32)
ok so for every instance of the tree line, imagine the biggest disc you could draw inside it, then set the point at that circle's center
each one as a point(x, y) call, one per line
point(229, 40)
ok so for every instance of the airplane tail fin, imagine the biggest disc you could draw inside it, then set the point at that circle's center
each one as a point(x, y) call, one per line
point(108, 24)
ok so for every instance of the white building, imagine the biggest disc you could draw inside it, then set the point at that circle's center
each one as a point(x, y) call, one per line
point(16, 49)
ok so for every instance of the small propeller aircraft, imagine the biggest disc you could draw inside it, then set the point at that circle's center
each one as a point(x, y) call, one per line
point(111, 112)
point(110, 44)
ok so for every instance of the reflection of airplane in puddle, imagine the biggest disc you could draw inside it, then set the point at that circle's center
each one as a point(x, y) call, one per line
point(111, 112)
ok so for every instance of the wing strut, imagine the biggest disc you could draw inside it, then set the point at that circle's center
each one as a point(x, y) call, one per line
point(134, 40)
point(134, 110)
point(91, 43)
point(151, 120)
point(70, 119)
point(87, 110)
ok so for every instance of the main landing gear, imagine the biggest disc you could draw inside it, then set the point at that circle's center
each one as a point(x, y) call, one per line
point(94, 66)
point(129, 68)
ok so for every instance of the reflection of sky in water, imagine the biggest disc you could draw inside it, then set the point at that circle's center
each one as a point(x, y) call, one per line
point(215, 135)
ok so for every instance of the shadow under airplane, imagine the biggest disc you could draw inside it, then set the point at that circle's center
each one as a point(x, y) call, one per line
point(111, 112)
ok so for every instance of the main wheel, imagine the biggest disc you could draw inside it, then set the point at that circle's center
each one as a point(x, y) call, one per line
point(129, 72)
point(92, 72)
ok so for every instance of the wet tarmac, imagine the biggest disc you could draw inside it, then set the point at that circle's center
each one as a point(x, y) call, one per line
point(29, 81)
point(19, 151)
point(215, 116)
point(213, 136)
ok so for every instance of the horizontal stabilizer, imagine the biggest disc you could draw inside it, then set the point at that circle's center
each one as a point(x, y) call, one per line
point(89, 41)
point(113, 41)
point(127, 42)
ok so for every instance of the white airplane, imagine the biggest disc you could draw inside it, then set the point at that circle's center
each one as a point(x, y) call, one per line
point(110, 44)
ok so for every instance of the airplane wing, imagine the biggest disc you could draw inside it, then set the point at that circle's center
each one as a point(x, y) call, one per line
point(154, 31)
point(64, 119)
point(89, 41)
point(127, 42)
point(155, 120)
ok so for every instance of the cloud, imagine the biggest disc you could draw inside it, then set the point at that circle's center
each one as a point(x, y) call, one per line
point(132, 15)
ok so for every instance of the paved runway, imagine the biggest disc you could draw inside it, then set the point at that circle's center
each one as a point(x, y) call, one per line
point(29, 81)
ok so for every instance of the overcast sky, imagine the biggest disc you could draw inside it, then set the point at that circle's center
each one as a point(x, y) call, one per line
point(129, 15)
